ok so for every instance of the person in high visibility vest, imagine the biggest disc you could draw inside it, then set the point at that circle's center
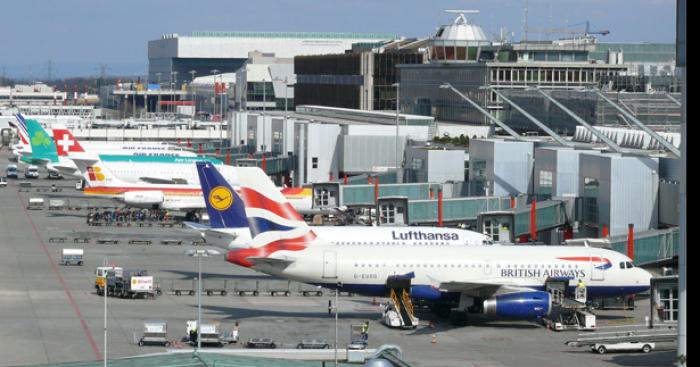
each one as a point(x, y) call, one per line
point(365, 330)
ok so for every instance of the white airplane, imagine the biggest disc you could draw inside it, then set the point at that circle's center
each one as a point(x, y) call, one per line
point(506, 281)
point(229, 229)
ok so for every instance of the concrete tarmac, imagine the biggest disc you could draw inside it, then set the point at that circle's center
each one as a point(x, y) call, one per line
point(50, 313)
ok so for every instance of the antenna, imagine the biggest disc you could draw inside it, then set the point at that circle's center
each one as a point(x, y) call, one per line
point(525, 22)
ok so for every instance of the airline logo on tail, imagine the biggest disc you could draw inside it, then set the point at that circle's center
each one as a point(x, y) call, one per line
point(273, 222)
point(95, 173)
point(220, 198)
point(65, 142)
point(22, 129)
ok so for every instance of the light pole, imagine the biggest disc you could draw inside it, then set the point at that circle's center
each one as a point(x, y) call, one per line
point(263, 104)
point(337, 290)
point(199, 254)
point(214, 72)
point(396, 143)
point(174, 83)
point(285, 81)
point(194, 92)
point(158, 74)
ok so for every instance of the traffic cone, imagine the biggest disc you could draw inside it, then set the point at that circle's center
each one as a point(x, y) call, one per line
point(433, 340)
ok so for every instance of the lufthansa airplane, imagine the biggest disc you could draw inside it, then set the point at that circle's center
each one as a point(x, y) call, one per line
point(229, 229)
point(506, 281)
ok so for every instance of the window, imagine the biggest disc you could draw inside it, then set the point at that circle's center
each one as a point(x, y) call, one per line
point(314, 162)
point(590, 200)
point(622, 265)
point(546, 183)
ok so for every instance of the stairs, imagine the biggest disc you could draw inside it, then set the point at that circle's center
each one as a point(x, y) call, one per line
point(403, 305)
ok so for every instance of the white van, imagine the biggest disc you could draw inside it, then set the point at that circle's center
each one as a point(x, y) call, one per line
point(31, 171)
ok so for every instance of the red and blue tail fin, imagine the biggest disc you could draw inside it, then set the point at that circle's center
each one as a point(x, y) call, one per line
point(225, 207)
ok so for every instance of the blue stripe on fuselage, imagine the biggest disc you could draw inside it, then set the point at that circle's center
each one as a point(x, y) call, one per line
point(380, 290)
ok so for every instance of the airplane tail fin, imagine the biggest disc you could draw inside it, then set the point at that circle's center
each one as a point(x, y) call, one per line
point(98, 175)
point(225, 208)
point(43, 147)
point(22, 129)
point(66, 143)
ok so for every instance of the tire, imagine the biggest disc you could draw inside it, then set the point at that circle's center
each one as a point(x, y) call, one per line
point(273, 346)
point(80, 263)
point(326, 346)
point(65, 263)
point(299, 346)
point(224, 293)
point(319, 293)
point(646, 348)
point(255, 293)
point(191, 293)
point(304, 294)
point(601, 350)
point(287, 294)
point(209, 293)
point(178, 293)
point(272, 293)
point(241, 294)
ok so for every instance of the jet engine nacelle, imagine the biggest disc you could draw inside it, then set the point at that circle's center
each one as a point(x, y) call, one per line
point(143, 198)
point(523, 305)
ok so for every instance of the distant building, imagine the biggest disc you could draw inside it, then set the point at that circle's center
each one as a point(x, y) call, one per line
point(37, 94)
point(361, 78)
point(228, 51)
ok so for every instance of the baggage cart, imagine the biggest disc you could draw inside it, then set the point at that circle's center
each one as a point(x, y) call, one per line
point(310, 290)
point(154, 333)
point(247, 286)
point(35, 204)
point(180, 286)
point(210, 333)
point(215, 286)
point(71, 256)
point(275, 287)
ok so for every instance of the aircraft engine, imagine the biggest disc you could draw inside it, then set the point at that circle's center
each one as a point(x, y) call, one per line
point(521, 305)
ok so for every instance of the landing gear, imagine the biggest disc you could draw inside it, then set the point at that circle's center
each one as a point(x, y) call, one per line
point(458, 318)
point(441, 310)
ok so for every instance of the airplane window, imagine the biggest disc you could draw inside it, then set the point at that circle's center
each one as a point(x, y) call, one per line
point(459, 265)
point(479, 265)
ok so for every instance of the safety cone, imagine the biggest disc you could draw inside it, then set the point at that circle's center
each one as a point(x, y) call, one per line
point(433, 340)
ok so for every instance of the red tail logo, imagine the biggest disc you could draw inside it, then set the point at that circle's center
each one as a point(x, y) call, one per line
point(65, 142)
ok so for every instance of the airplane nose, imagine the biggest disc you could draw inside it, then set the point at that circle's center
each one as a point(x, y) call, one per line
point(644, 277)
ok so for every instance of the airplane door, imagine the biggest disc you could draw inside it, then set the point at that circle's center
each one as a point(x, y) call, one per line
point(597, 272)
point(330, 264)
point(487, 267)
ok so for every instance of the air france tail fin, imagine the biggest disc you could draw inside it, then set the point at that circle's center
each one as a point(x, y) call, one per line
point(225, 207)
point(43, 147)
point(22, 129)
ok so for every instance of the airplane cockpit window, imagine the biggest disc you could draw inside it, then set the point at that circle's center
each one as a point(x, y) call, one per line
point(622, 265)
point(629, 265)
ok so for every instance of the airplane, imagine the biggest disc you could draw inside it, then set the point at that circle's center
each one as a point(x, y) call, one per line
point(45, 152)
point(502, 280)
point(229, 228)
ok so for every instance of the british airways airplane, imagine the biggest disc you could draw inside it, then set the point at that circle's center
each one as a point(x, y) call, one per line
point(229, 227)
point(507, 281)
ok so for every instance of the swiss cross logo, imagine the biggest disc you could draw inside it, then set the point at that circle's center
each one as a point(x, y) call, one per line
point(65, 142)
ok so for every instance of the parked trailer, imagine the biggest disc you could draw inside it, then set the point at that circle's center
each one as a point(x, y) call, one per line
point(247, 286)
point(72, 256)
point(183, 286)
point(35, 204)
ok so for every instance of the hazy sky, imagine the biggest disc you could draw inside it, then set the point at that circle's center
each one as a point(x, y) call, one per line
point(78, 35)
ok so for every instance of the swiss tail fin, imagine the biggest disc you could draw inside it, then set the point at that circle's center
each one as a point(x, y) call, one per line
point(225, 207)
point(43, 147)
point(66, 143)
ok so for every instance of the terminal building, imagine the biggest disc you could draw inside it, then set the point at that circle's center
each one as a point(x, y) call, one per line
point(172, 57)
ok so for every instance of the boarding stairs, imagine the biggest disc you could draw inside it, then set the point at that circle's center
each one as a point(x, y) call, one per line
point(400, 299)
point(568, 313)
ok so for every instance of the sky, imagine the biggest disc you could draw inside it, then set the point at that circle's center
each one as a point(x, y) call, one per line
point(79, 35)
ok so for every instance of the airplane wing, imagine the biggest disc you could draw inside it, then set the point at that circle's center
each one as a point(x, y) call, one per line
point(197, 226)
point(482, 289)
point(163, 181)
point(270, 261)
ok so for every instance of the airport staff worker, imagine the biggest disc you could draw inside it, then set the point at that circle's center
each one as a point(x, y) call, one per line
point(365, 330)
